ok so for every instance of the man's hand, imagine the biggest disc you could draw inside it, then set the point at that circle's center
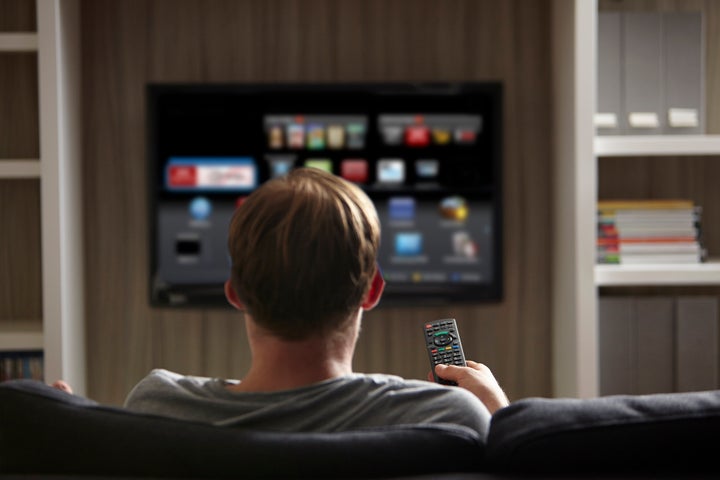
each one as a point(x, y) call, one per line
point(62, 385)
point(478, 380)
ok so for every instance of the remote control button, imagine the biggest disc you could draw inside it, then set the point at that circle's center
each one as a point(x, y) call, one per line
point(443, 338)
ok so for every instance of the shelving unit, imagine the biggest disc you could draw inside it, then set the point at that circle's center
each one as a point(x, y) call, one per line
point(656, 275)
point(666, 145)
point(60, 332)
point(19, 169)
point(18, 42)
point(23, 336)
point(578, 153)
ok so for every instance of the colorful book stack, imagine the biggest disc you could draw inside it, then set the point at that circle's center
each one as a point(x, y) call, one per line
point(15, 365)
point(648, 231)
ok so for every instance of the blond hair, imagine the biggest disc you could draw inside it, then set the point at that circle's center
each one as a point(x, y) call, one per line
point(304, 252)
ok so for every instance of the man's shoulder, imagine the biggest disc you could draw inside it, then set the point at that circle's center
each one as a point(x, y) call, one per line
point(410, 386)
point(161, 383)
point(418, 401)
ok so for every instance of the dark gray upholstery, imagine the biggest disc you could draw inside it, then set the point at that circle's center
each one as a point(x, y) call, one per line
point(46, 431)
point(651, 433)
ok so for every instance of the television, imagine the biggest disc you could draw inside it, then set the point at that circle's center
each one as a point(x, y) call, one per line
point(428, 155)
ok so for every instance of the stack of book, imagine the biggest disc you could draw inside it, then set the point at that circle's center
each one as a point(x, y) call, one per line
point(648, 231)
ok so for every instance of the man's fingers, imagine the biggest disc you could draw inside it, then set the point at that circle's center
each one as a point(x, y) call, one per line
point(61, 385)
point(448, 372)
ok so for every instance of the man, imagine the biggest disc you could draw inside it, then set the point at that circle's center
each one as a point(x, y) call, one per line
point(304, 268)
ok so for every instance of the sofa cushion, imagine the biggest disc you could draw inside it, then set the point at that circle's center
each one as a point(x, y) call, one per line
point(46, 431)
point(662, 432)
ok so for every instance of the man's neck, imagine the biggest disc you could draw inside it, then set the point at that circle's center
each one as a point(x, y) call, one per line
point(282, 365)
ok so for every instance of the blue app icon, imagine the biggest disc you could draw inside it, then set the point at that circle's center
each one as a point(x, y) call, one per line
point(200, 208)
point(401, 208)
point(280, 165)
point(391, 170)
point(408, 244)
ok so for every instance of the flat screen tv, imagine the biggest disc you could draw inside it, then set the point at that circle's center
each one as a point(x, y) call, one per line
point(428, 155)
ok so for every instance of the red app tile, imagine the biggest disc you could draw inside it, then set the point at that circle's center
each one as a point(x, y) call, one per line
point(417, 136)
point(182, 176)
point(354, 170)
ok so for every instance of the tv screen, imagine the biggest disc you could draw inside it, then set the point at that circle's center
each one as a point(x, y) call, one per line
point(428, 155)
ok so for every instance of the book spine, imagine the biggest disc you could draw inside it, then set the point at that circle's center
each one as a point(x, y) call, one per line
point(21, 364)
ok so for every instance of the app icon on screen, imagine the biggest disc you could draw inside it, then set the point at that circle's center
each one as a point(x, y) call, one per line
point(320, 164)
point(417, 136)
point(280, 164)
point(465, 135)
point(275, 137)
point(355, 135)
point(335, 136)
point(200, 208)
point(392, 134)
point(408, 244)
point(354, 170)
point(391, 170)
point(315, 137)
point(181, 176)
point(464, 246)
point(427, 168)
point(454, 208)
point(296, 135)
point(211, 173)
point(401, 208)
point(441, 136)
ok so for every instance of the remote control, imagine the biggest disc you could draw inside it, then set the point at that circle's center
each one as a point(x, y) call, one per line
point(443, 345)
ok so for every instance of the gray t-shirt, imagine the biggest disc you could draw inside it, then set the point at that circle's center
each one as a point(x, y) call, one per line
point(345, 403)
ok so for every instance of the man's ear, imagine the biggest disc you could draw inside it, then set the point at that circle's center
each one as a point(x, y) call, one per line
point(232, 296)
point(376, 289)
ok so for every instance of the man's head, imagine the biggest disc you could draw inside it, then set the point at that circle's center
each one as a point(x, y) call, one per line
point(304, 252)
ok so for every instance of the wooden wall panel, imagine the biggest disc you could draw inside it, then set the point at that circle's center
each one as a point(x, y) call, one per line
point(128, 44)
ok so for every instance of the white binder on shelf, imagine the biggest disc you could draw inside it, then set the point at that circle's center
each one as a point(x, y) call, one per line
point(609, 118)
point(684, 73)
point(643, 73)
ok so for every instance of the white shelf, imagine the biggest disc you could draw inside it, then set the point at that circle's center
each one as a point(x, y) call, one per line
point(656, 145)
point(26, 336)
point(658, 275)
point(18, 42)
point(20, 168)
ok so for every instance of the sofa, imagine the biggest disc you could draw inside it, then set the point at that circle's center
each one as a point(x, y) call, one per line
point(47, 433)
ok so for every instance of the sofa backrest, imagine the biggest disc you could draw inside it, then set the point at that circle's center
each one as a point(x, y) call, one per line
point(47, 431)
point(652, 433)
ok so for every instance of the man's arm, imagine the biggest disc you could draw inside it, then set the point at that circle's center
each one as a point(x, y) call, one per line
point(478, 380)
